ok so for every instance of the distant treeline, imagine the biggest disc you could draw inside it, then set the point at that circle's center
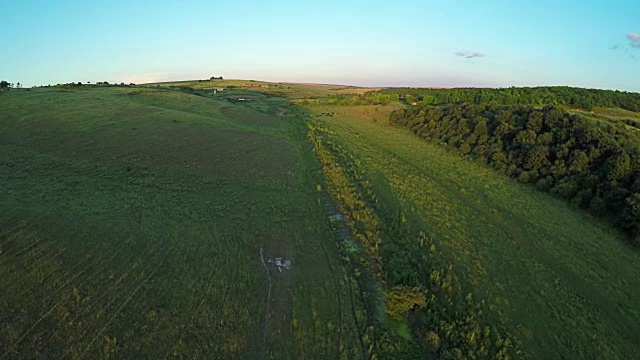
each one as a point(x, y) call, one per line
point(596, 167)
point(79, 84)
point(572, 97)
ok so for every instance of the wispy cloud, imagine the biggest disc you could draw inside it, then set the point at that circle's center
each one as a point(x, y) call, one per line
point(469, 54)
point(634, 40)
point(633, 46)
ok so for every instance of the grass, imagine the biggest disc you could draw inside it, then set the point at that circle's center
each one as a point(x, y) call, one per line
point(137, 222)
point(560, 280)
point(617, 112)
point(132, 222)
point(289, 90)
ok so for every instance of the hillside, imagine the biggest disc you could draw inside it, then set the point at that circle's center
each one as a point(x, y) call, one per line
point(560, 281)
point(147, 223)
point(169, 221)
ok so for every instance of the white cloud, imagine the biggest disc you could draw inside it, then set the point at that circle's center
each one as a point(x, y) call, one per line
point(469, 54)
point(634, 40)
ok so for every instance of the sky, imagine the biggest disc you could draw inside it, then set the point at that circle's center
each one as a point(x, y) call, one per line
point(587, 43)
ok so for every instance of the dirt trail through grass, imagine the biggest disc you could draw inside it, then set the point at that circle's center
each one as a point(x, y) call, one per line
point(268, 299)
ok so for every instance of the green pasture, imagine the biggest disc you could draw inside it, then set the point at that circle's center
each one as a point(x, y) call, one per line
point(139, 223)
point(562, 281)
point(145, 222)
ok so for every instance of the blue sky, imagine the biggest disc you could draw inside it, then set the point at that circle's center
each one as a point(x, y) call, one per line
point(368, 43)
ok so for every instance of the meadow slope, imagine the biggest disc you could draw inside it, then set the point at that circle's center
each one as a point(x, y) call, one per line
point(146, 223)
point(562, 281)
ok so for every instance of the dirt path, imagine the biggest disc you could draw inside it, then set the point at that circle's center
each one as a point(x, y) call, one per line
point(268, 301)
point(275, 257)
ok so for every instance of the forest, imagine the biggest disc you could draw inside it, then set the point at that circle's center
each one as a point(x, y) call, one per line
point(577, 98)
point(595, 166)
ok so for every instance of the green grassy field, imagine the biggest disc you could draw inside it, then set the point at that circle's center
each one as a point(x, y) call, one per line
point(619, 113)
point(145, 222)
point(563, 282)
point(289, 90)
point(140, 223)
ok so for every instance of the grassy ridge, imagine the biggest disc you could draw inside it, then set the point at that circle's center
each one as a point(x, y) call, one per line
point(559, 278)
point(134, 223)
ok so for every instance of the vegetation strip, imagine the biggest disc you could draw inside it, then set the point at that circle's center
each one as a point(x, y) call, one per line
point(472, 339)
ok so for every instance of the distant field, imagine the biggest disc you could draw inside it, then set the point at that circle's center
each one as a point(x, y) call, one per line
point(143, 223)
point(563, 282)
point(616, 112)
point(290, 90)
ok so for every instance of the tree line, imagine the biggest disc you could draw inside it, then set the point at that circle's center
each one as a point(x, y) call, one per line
point(579, 98)
point(594, 166)
point(5, 85)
